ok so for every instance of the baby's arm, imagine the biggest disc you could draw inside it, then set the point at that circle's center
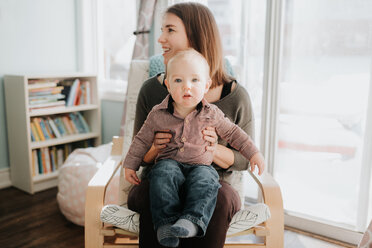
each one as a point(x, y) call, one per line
point(137, 150)
point(257, 159)
point(131, 176)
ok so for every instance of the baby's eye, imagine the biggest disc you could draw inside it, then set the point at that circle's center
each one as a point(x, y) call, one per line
point(195, 80)
point(178, 80)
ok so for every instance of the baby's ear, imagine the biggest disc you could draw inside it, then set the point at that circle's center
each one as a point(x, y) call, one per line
point(166, 83)
point(208, 85)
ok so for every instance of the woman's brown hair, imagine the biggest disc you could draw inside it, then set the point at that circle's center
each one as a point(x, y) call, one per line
point(203, 35)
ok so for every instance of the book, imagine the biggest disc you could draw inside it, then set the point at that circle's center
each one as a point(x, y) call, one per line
point(48, 128)
point(61, 127)
point(46, 97)
point(33, 154)
point(76, 121)
point(38, 84)
point(34, 131)
point(40, 161)
point(48, 105)
point(83, 122)
point(53, 158)
point(73, 93)
point(87, 93)
point(54, 127)
point(60, 158)
point(38, 129)
point(32, 136)
point(67, 124)
point(43, 128)
point(45, 92)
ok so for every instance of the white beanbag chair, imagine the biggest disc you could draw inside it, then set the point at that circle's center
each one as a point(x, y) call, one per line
point(74, 176)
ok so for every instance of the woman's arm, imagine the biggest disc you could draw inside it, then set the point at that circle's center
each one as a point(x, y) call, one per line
point(240, 111)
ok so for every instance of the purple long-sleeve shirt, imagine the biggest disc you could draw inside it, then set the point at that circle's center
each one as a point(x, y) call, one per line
point(187, 144)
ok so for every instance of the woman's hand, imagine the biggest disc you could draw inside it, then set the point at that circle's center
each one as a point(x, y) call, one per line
point(160, 142)
point(161, 139)
point(210, 135)
point(222, 156)
point(131, 176)
point(257, 159)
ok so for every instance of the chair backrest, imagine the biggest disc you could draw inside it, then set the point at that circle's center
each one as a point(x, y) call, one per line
point(138, 73)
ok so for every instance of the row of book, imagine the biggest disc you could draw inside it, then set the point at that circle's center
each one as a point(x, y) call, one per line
point(57, 126)
point(48, 159)
point(44, 94)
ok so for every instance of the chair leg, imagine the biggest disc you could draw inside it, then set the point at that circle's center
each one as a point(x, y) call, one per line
point(93, 224)
point(275, 224)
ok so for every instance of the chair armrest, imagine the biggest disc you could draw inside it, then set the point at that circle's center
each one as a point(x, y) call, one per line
point(95, 194)
point(272, 197)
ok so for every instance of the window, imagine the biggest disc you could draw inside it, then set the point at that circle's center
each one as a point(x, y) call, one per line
point(323, 92)
point(117, 24)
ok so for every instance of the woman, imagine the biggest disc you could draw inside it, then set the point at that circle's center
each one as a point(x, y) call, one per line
point(192, 25)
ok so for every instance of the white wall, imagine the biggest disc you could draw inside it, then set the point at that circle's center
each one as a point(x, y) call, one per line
point(36, 36)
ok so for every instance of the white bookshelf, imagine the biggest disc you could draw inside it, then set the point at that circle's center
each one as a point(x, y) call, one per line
point(19, 116)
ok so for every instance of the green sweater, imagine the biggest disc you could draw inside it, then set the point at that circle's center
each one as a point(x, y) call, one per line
point(236, 106)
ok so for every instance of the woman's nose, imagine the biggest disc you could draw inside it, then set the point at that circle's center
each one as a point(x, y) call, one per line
point(161, 38)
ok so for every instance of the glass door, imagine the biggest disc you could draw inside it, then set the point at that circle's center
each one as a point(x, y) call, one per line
point(322, 123)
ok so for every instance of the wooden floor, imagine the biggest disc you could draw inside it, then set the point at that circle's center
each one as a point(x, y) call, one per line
point(35, 221)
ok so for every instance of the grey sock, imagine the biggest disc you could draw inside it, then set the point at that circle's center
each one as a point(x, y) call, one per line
point(165, 237)
point(184, 228)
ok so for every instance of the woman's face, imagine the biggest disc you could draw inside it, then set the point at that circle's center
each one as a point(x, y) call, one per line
point(173, 36)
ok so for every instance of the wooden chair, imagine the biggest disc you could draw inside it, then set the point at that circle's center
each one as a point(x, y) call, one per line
point(269, 234)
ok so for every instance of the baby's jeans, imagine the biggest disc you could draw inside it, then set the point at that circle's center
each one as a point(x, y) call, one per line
point(199, 185)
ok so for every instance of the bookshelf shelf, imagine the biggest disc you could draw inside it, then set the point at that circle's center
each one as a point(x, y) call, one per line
point(62, 110)
point(63, 140)
point(24, 150)
point(44, 177)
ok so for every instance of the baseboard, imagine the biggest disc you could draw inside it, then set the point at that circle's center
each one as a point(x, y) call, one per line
point(5, 178)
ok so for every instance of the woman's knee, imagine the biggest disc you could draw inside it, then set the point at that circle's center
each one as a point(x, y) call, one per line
point(228, 201)
point(139, 197)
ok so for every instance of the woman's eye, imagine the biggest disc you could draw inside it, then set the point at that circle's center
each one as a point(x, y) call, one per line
point(170, 30)
point(177, 80)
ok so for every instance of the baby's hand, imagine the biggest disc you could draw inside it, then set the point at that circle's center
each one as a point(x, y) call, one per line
point(257, 159)
point(131, 176)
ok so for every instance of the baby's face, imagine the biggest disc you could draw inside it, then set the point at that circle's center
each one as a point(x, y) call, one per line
point(188, 81)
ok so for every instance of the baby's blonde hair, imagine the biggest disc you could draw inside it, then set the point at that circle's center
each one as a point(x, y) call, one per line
point(188, 54)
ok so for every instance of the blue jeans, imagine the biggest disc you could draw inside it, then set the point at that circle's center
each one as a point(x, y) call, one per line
point(199, 185)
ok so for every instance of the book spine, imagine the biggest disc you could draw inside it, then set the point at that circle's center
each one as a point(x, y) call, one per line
point(48, 128)
point(47, 160)
point(40, 161)
point(38, 129)
point(67, 125)
point(34, 131)
point(43, 128)
point(54, 128)
point(75, 119)
point(60, 158)
point(88, 94)
point(60, 126)
point(82, 120)
point(72, 94)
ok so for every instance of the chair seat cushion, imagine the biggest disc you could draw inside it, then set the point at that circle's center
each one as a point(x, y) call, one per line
point(128, 220)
